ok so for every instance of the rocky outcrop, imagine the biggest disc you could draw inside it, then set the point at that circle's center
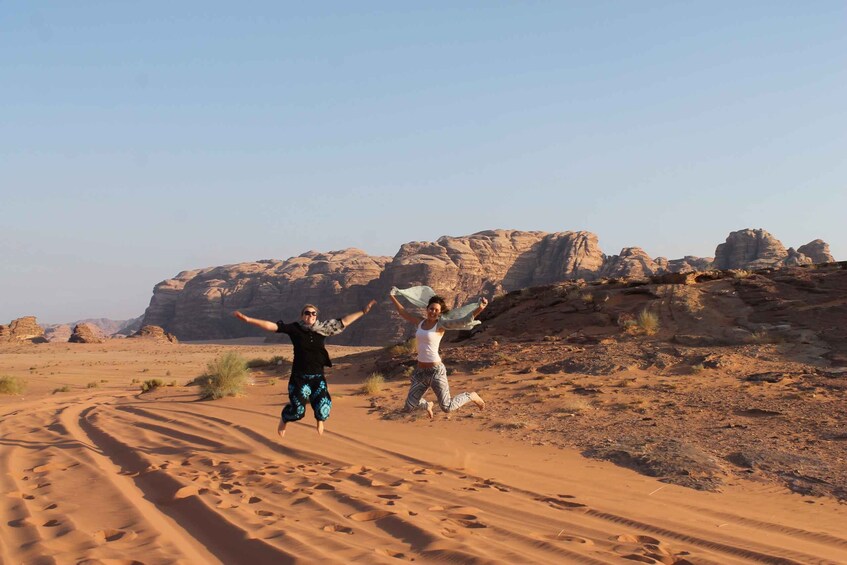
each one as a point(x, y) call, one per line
point(154, 333)
point(749, 249)
point(817, 251)
point(757, 249)
point(632, 262)
point(199, 304)
point(86, 333)
point(22, 329)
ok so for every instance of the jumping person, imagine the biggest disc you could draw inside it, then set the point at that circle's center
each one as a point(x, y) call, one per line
point(307, 382)
point(430, 371)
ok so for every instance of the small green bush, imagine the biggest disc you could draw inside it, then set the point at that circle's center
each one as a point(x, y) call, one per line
point(258, 362)
point(149, 385)
point(373, 384)
point(225, 376)
point(11, 385)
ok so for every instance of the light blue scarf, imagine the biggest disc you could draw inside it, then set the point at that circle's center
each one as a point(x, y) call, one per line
point(457, 319)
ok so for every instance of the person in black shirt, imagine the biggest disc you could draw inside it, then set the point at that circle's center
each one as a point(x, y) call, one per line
point(307, 382)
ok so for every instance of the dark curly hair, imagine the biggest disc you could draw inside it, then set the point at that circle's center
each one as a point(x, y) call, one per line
point(440, 301)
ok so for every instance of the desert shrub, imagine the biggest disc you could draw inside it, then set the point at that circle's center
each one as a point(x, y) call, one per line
point(588, 298)
point(698, 368)
point(225, 376)
point(150, 384)
point(647, 322)
point(279, 360)
point(172, 383)
point(134, 382)
point(272, 381)
point(405, 348)
point(258, 362)
point(11, 385)
point(573, 406)
point(65, 388)
point(373, 384)
point(92, 384)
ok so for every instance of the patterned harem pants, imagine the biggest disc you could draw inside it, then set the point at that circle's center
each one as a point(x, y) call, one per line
point(435, 377)
point(303, 389)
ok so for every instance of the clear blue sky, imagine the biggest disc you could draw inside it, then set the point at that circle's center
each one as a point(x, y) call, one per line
point(141, 139)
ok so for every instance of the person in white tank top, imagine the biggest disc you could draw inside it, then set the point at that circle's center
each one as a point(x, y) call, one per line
point(430, 371)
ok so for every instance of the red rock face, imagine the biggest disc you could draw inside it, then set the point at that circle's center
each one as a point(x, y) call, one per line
point(199, 304)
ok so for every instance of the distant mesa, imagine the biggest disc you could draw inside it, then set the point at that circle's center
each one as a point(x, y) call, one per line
point(198, 304)
point(86, 333)
point(22, 329)
point(154, 333)
point(59, 333)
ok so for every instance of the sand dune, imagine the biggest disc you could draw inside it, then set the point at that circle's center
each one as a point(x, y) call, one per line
point(108, 475)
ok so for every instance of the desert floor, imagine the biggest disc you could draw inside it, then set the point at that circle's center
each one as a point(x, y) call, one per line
point(94, 471)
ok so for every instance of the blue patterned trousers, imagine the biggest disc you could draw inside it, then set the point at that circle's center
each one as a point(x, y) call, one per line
point(303, 389)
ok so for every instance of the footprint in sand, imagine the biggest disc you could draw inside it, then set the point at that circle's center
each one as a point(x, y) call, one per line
point(20, 522)
point(337, 528)
point(264, 513)
point(369, 516)
point(390, 496)
point(253, 500)
point(51, 507)
point(324, 486)
point(51, 523)
point(103, 536)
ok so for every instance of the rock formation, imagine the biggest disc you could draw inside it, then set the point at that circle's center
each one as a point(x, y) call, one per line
point(154, 333)
point(632, 262)
point(757, 249)
point(199, 304)
point(817, 251)
point(86, 333)
point(22, 329)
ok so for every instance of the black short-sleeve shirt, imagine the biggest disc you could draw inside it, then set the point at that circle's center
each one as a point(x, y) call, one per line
point(310, 354)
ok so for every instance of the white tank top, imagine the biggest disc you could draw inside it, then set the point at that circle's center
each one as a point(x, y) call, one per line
point(428, 342)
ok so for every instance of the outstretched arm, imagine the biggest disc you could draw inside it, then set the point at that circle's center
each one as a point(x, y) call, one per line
point(483, 302)
point(264, 324)
point(350, 318)
point(403, 312)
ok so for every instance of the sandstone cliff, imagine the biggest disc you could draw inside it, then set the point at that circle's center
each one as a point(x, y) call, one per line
point(198, 304)
point(22, 329)
point(757, 249)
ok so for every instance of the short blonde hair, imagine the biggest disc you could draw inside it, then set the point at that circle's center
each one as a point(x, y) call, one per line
point(315, 308)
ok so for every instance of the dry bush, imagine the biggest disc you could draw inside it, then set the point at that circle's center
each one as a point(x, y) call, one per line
point(698, 368)
point(65, 388)
point(12, 385)
point(149, 385)
point(373, 384)
point(647, 322)
point(405, 348)
point(92, 384)
point(225, 376)
point(573, 406)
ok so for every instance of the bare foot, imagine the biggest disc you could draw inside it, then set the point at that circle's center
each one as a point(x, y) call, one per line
point(480, 403)
point(320, 427)
point(429, 407)
point(280, 429)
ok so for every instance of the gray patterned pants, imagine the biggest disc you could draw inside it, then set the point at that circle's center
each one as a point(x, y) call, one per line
point(435, 377)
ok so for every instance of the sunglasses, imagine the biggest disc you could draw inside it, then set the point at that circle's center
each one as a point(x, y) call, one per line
point(309, 313)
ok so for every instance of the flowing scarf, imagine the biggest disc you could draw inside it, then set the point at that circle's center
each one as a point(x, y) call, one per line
point(456, 319)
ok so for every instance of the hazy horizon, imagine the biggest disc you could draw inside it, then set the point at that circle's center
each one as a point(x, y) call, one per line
point(138, 141)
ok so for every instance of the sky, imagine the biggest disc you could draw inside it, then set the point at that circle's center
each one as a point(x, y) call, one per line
point(138, 140)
